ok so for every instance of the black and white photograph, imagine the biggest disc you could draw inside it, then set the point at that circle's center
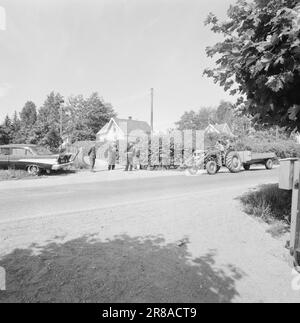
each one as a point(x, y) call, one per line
point(149, 154)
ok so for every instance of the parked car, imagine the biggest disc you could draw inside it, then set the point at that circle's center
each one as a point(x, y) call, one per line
point(33, 159)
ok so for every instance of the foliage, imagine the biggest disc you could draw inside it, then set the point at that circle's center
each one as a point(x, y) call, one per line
point(192, 120)
point(196, 120)
point(86, 116)
point(23, 126)
point(225, 113)
point(6, 131)
point(4, 136)
point(28, 114)
point(81, 117)
point(283, 148)
point(259, 58)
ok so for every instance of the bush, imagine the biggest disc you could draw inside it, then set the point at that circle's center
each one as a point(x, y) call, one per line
point(283, 148)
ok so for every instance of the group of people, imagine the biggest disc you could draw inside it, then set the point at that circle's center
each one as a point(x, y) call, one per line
point(131, 152)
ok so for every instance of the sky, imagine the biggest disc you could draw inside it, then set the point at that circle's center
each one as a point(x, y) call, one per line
point(118, 48)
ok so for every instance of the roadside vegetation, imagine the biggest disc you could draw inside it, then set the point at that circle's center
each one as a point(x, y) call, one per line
point(17, 174)
point(283, 145)
point(271, 205)
point(14, 174)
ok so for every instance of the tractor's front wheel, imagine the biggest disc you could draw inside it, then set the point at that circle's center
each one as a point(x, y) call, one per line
point(212, 167)
point(233, 162)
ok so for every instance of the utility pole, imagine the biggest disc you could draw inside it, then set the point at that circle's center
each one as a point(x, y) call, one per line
point(61, 118)
point(152, 102)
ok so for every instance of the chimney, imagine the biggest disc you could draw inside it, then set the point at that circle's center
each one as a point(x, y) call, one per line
point(129, 118)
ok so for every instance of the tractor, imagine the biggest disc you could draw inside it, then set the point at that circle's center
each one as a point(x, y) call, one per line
point(213, 159)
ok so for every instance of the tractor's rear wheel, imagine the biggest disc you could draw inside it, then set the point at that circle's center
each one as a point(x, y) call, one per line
point(233, 162)
point(212, 167)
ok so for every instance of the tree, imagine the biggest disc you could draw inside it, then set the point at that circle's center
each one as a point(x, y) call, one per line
point(46, 130)
point(49, 113)
point(4, 136)
point(260, 59)
point(28, 114)
point(225, 113)
point(24, 126)
point(98, 113)
point(16, 127)
point(7, 131)
point(86, 116)
point(196, 120)
point(52, 139)
point(82, 118)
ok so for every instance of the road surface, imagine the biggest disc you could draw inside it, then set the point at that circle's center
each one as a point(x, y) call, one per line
point(134, 237)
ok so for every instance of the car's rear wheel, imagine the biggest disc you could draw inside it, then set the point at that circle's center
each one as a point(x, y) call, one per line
point(33, 170)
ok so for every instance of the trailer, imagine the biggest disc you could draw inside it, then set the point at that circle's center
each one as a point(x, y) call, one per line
point(249, 158)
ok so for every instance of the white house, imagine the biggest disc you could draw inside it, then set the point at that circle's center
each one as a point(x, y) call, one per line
point(222, 129)
point(123, 129)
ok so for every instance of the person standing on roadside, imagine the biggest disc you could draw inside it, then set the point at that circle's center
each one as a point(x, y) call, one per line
point(92, 157)
point(130, 152)
point(112, 156)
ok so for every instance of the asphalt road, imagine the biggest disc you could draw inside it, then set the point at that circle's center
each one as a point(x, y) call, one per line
point(35, 200)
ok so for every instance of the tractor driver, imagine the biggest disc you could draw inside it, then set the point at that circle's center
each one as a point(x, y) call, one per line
point(220, 146)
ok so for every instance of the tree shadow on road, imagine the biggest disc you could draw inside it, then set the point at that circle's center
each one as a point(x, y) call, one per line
point(121, 270)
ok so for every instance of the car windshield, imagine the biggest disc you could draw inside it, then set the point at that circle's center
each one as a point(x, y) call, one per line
point(41, 151)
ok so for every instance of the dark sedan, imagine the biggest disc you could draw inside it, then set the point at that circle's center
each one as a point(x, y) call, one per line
point(33, 158)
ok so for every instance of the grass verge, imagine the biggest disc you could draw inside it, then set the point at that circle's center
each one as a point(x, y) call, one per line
point(14, 174)
point(271, 205)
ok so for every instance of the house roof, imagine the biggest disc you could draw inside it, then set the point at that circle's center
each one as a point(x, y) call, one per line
point(131, 125)
point(222, 127)
point(126, 126)
point(219, 128)
point(211, 128)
